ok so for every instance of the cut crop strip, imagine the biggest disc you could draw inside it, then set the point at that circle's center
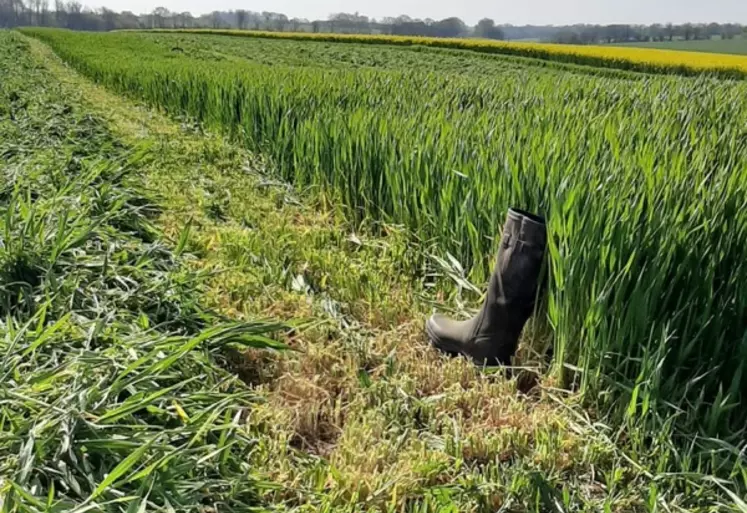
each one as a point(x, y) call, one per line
point(110, 395)
point(625, 58)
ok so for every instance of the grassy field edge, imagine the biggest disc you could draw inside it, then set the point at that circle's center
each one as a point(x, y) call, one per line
point(735, 46)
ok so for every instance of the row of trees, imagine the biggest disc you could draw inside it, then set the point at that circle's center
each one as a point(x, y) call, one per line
point(73, 15)
point(63, 14)
point(590, 34)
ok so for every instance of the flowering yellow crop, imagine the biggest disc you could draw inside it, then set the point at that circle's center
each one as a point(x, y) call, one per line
point(698, 61)
point(634, 59)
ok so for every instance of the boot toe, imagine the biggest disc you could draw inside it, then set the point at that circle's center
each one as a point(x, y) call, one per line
point(444, 334)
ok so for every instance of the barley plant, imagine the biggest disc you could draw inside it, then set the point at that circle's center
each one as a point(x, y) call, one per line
point(110, 397)
point(643, 179)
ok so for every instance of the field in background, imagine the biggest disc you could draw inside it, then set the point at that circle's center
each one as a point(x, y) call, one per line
point(737, 46)
point(630, 59)
point(642, 178)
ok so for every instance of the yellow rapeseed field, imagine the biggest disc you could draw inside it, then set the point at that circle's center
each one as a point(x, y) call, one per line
point(699, 61)
point(635, 59)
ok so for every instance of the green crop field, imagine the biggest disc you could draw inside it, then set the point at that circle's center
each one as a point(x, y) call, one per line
point(162, 192)
point(736, 46)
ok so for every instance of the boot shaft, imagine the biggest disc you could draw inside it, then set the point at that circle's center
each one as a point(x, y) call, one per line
point(528, 228)
point(516, 278)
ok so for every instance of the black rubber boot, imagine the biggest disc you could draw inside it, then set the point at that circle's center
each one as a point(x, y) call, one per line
point(491, 337)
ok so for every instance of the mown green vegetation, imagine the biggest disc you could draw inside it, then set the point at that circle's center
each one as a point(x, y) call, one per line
point(110, 395)
point(330, 55)
point(736, 46)
point(599, 57)
point(643, 183)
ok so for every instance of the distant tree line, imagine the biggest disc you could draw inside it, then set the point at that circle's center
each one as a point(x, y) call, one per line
point(591, 34)
point(73, 15)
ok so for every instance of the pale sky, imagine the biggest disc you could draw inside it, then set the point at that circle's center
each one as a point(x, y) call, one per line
point(517, 12)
